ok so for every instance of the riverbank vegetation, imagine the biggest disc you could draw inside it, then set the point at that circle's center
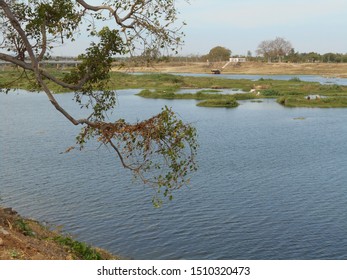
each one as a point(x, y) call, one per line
point(218, 91)
point(26, 239)
point(227, 102)
point(291, 93)
point(327, 102)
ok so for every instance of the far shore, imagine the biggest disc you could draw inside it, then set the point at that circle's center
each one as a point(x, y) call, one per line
point(249, 68)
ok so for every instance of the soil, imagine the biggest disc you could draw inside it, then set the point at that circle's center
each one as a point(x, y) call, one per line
point(252, 68)
point(26, 239)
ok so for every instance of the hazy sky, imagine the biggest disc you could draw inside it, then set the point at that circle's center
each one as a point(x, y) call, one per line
point(240, 25)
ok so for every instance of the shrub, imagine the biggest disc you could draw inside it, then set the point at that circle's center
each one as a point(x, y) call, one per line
point(282, 100)
point(295, 79)
point(270, 92)
point(22, 226)
point(226, 103)
point(80, 249)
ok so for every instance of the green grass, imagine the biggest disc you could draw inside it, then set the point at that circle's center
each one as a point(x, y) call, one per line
point(300, 101)
point(17, 79)
point(165, 86)
point(225, 103)
point(80, 249)
point(23, 227)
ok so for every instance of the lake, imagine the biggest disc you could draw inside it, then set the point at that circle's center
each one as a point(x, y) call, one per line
point(305, 78)
point(271, 182)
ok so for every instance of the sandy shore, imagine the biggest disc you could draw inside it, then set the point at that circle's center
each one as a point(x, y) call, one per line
point(255, 68)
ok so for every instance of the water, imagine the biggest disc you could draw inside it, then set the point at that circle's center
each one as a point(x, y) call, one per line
point(271, 182)
point(305, 78)
point(208, 91)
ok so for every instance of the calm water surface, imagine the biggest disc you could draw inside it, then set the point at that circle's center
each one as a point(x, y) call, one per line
point(269, 185)
point(306, 78)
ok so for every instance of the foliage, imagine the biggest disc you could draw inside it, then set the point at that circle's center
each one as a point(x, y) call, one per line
point(227, 102)
point(295, 79)
point(277, 48)
point(311, 57)
point(31, 30)
point(270, 92)
point(219, 54)
point(161, 150)
point(302, 101)
point(80, 249)
point(199, 95)
point(22, 226)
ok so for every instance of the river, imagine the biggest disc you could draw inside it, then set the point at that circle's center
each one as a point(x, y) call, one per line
point(305, 78)
point(271, 182)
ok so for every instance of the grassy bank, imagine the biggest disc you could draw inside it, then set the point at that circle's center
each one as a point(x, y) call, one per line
point(165, 86)
point(299, 101)
point(26, 239)
point(286, 92)
point(214, 99)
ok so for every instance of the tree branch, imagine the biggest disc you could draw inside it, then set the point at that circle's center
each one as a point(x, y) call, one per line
point(15, 61)
point(106, 8)
point(27, 66)
point(44, 42)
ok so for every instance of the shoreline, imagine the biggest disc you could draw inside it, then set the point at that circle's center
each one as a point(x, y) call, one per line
point(338, 70)
point(27, 239)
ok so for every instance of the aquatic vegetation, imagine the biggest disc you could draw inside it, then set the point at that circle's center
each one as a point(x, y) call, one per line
point(225, 103)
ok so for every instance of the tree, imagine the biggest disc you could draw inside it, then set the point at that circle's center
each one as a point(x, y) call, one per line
point(331, 57)
point(277, 48)
point(293, 56)
point(219, 54)
point(161, 150)
point(265, 50)
point(149, 55)
point(311, 57)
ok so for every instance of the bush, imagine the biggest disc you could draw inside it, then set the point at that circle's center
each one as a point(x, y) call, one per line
point(270, 92)
point(226, 103)
point(295, 79)
point(282, 100)
point(80, 249)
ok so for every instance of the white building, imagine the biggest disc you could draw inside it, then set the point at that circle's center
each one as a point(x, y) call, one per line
point(237, 59)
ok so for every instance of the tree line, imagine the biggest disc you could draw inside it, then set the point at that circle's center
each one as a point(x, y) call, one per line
point(276, 50)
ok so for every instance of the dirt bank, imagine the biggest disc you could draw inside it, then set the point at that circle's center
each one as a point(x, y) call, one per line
point(253, 68)
point(26, 239)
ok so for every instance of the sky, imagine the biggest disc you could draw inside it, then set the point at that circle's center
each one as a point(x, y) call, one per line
point(240, 25)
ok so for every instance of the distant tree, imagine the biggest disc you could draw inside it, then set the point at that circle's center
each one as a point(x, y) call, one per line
point(219, 54)
point(277, 48)
point(265, 49)
point(293, 56)
point(150, 55)
point(160, 150)
point(331, 57)
point(281, 47)
point(311, 57)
